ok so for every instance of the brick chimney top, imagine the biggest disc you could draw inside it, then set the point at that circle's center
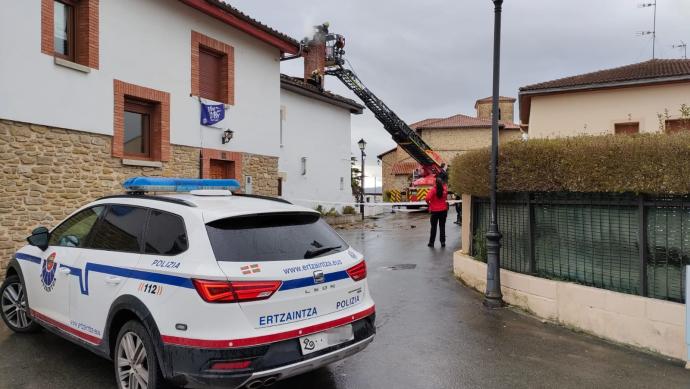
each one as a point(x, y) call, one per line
point(315, 58)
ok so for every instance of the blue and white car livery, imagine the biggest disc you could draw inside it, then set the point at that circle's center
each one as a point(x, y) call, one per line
point(200, 288)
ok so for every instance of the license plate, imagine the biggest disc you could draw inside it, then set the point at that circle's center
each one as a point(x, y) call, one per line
point(321, 340)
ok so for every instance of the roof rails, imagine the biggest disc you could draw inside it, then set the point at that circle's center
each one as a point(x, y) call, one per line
point(150, 197)
point(269, 198)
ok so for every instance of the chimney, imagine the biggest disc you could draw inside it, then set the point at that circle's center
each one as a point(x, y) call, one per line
point(315, 58)
point(505, 107)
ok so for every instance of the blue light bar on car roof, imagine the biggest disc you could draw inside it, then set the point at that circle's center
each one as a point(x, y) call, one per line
point(165, 184)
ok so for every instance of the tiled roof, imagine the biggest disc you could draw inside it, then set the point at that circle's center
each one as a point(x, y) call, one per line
point(387, 152)
point(404, 168)
point(423, 123)
point(299, 83)
point(648, 70)
point(241, 15)
point(463, 121)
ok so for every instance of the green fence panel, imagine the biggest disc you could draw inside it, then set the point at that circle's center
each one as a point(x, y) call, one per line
point(668, 249)
point(590, 244)
point(593, 239)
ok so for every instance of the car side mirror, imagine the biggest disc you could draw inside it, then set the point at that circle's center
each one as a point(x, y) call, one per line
point(39, 238)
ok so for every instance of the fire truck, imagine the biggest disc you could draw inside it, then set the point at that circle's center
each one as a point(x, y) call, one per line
point(430, 163)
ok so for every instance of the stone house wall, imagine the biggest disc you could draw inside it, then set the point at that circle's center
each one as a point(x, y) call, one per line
point(47, 173)
point(507, 109)
point(264, 172)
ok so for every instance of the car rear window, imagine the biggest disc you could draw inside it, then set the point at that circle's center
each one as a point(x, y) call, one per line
point(273, 237)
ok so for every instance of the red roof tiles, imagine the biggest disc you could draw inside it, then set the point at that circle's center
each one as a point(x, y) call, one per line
point(648, 70)
point(404, 168)
point(462, 121)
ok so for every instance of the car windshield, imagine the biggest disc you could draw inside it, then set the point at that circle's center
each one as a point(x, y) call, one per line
point(273, 237)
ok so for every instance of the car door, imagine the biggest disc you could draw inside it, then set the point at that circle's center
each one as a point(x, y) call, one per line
point(107, 262)
point(48, 285)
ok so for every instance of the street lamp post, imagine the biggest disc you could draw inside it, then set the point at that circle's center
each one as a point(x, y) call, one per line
point(362, 144)
point(493, 297)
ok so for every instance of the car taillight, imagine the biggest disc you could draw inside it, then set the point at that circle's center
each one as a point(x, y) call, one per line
point(235, 291)
point(358, 272)
point(231, 365)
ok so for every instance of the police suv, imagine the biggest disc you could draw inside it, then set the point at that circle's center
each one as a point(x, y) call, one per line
point(205, 288)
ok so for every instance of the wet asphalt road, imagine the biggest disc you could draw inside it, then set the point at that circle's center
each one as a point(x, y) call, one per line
point(432, 333)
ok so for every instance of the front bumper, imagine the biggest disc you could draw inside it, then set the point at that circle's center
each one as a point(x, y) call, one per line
point(190, 367)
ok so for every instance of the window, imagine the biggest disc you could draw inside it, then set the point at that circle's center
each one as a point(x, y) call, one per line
point(141, 123)
point(74, 231)
point(280, 186)
point(627, 128)
point(64, 29)
point(119, 230)
point(165, 234)
point(304, 166)
point(272, 237)
point(342, 183)
point(213, 69)
point(138, 128)
point(209, 75)
point(677, 125)
point(70, 31)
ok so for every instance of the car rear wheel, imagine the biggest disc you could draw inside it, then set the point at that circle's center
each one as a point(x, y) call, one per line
point(14, 306)
point(136, 366)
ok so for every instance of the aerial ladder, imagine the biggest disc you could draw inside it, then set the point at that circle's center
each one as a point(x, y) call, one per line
point(407, 138)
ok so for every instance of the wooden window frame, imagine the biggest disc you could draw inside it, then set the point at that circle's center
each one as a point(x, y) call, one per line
point(147, 110)
point(72, 35)
point(683, 122)
point(616, 125)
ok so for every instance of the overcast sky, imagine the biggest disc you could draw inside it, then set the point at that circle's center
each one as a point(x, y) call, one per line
point(433, 58)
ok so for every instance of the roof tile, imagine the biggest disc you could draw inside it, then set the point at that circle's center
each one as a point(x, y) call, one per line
point(462, 121)
point(652, 69)
point(404, 168)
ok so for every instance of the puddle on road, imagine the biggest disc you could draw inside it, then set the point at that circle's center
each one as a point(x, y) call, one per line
point(404, 266)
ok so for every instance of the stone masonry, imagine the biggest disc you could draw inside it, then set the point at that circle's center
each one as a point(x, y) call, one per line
point(264, 172)
point(47, 173)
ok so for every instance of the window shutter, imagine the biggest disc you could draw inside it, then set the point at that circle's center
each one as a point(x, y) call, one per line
point(209, 75)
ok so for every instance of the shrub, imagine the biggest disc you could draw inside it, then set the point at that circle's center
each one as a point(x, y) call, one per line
point(320, 209)
point(648, 163)
point(348, 210)
point(332, 212)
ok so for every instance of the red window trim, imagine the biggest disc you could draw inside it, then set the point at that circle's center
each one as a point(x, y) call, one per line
point(160, 124)
point(199, 41)
point(85, 40)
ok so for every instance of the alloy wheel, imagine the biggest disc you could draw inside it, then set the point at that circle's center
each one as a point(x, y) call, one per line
point(14, 307)
point(132, 362)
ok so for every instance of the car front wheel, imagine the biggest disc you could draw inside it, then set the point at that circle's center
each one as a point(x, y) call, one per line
point(136, 366)
point(14, 306)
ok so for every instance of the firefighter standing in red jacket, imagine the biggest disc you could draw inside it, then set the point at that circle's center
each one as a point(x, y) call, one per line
point(438, 208)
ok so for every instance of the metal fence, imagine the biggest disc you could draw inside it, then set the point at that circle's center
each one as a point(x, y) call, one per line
point(593, 239)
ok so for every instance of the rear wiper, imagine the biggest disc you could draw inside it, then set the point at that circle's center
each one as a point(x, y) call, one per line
point(323, 250)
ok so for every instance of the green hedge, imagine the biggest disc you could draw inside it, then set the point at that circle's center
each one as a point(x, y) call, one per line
point(653, 164)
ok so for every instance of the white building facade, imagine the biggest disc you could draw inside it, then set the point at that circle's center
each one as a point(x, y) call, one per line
point(94, 91)
point(315, 139)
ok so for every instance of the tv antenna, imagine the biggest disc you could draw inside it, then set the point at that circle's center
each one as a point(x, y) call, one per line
point(653, 32)
point(683, 46)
